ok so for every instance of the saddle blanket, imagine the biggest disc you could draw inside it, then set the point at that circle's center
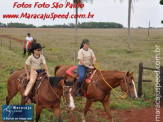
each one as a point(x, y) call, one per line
point(72, 71)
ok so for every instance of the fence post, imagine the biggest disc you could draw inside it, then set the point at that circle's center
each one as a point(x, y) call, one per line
point(140, 79)
point(1, 41)
point(10, 44)
point(75, 57)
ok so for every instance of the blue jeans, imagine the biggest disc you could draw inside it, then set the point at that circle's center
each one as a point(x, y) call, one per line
point(81, 72)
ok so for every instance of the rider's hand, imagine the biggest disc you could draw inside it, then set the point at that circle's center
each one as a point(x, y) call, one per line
point(28, 77)
point(94, 62)
point(91, 67)
point(48, 75)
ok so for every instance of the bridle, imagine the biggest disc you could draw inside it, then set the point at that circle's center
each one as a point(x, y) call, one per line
point(125, 80)
point(64, 101)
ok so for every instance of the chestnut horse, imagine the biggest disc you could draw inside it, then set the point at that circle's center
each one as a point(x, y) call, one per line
point(98, 90)
point(48, 95)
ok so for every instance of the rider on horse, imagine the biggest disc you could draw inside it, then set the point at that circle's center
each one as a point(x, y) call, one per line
point(85, 55)
point(35, 61)
point(29, 40)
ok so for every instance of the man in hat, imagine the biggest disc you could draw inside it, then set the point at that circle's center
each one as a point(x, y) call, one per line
point(29, 40)
point(35, 61)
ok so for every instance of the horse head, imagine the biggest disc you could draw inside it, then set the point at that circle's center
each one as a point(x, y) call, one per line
point(128, 85)
point(68, 94)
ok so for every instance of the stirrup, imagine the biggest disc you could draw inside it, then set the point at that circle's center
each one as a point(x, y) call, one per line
point(77, 94)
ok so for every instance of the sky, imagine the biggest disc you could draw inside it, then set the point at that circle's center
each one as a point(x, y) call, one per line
point(103, 10)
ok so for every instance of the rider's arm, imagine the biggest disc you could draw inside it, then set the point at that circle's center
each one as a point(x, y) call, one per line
point(94, 60)
point(26, 70)
point(46, 69)
point(83, 63)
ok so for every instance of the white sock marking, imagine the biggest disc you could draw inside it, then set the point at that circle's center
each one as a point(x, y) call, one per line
point(135, 89)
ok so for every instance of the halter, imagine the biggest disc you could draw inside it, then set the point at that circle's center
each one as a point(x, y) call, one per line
point(97, 66)
point(125, 80)
point(64, 98)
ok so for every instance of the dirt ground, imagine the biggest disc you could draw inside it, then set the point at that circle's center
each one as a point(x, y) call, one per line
point(142, 115)
point(9, 37)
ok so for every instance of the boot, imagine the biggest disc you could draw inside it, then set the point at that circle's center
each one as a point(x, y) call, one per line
point(78, 89)
point(27, 99)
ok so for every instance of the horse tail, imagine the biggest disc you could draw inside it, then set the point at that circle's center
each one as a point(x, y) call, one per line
point(56, 69)
point(12, 72)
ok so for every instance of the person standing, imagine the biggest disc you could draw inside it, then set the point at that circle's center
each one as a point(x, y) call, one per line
point(85, 55)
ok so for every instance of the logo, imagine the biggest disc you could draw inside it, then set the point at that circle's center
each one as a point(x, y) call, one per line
point(17, 112)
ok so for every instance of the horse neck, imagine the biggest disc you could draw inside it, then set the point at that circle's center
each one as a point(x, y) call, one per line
point(113, 78)
point(53, 93)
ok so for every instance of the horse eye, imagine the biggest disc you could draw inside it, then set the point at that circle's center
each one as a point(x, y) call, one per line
point(66, 92)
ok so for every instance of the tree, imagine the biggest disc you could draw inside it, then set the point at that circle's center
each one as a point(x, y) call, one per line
point(161, 2)
point(76, 2)
point(129, 21)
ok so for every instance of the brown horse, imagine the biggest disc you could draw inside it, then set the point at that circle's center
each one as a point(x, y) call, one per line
point(98, 90)
point(48, 95)
point(29, 50)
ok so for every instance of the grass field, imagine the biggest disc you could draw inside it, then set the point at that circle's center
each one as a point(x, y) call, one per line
point(110, 48)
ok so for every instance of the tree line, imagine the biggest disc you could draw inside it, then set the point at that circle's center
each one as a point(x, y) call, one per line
point(70, 25)
point(17, 25)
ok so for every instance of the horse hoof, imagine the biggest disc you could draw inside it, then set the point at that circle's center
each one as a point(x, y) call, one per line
point(83, 121)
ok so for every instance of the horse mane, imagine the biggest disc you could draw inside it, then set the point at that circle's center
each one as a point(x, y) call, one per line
point(54, 81)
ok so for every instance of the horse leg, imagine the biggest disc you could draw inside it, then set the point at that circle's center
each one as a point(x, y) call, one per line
point(38, 112)
point(24, 52)
point(57, 112)
point(12, 91)
point(29, 53)
point(87, 106)
point(22, 100)
point(105, 103)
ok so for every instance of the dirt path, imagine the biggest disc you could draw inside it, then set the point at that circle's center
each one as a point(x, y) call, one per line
point(143, 115)
point(9, 37)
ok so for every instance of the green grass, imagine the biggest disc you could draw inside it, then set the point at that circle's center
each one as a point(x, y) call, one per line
point(110, 48)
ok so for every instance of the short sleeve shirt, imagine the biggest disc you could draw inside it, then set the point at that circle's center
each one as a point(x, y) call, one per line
point(86, 55)
point(29, 39)
point(35, 63)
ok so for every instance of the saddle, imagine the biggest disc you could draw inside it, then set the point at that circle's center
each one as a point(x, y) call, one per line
point(72, 71)
point(23, 81)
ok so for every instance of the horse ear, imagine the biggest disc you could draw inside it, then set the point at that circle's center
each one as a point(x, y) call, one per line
point(132, 73)
point(127, 74)
point(65, 81)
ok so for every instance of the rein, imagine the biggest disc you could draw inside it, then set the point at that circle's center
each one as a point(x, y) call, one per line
point(59, 98)
point(97, 66)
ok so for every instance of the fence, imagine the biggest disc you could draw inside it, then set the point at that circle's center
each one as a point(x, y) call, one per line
point(7, 42)
point(12, 43)
point(140, 80)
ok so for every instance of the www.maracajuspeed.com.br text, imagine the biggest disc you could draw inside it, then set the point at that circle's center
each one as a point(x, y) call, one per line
point(44, 16)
